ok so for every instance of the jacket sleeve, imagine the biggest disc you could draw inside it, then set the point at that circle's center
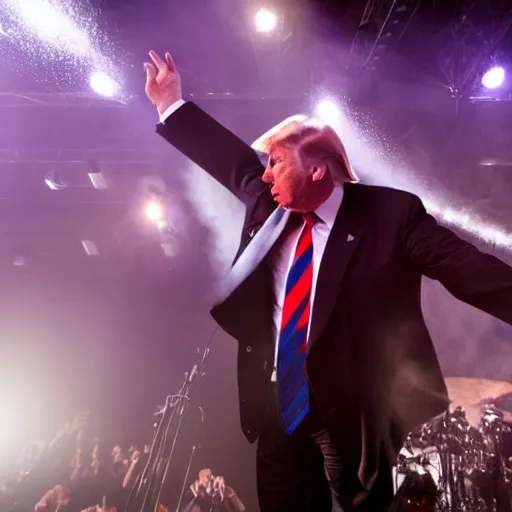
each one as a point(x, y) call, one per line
point(472, 276)
point(225, 157)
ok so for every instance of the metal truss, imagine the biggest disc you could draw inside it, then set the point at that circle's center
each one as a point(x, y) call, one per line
point(381, 28)
point(79, 157)
point(472, 44)
point(44, 99)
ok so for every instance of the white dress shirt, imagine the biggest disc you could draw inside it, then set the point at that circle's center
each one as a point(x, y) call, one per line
point(171, 109)
point(282, 257)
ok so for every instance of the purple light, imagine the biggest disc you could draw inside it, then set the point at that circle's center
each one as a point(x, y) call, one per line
point(52, 23)
point(265, 20)
point(154, 211)
point(493, 78)
point(103, 84)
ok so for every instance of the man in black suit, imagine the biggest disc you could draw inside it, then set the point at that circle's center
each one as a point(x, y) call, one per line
point(364, 372)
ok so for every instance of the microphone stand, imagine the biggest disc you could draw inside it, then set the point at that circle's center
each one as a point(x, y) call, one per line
point(148, 487)
point(191, 458)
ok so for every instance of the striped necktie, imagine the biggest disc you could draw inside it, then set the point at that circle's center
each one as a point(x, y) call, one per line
point(292, 382)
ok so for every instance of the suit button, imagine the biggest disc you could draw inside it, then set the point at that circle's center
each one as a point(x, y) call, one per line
point(243, 402)
point(248, 348)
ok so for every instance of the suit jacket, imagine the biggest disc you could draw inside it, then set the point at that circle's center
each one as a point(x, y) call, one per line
point(371, 363)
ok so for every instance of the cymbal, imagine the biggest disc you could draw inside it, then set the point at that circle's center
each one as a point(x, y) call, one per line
point(474, 395)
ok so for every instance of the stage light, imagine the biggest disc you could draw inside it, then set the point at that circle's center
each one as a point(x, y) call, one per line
point(327, 111)
point(90, 248)
point(103, 84)
point(265, 20)
point(62, 31)
point(98, 180)
point(493, 78)
point(54, 180)
point(154, 211)
point(96, 175)
point(372, 157)
point(52, 23)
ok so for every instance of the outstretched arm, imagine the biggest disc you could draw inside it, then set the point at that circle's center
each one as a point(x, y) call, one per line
point(235, 501)
point(224, 156)
point(472, 276)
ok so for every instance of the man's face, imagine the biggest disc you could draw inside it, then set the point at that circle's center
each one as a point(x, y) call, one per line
point(289, 179)
point(117, 453)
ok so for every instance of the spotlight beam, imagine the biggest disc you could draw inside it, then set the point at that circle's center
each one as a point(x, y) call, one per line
point(366, 157)
point(59, 30)
point(51, 24)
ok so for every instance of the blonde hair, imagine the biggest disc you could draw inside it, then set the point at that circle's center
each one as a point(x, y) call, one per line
point(313, 139)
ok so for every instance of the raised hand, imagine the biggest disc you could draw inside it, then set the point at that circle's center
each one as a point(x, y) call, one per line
point(79, 422)
point(135, 457)
point(163, 82)
point(219, 486)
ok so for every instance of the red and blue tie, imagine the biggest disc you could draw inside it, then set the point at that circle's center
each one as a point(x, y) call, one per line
point(292, 382)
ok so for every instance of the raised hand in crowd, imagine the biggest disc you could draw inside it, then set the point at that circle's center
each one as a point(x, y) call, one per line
point(54, 500)
point(79, 422)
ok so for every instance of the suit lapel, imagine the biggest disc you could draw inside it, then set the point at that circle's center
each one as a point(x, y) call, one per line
point(254, 253)
point(346, 235)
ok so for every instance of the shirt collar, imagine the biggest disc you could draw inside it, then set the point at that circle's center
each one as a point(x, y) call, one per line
point(328, 210)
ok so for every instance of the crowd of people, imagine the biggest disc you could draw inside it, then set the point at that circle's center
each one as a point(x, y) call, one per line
point(77, 472)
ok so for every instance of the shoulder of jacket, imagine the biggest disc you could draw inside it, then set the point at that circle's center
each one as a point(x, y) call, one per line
point(377, 192)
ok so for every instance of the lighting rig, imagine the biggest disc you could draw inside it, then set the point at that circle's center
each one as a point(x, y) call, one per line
point(380, 30)
point(469, 61)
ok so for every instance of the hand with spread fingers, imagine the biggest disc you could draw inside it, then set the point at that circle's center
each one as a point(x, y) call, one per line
point(163, 82)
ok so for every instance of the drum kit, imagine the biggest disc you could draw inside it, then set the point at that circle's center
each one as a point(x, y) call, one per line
point(460, 458)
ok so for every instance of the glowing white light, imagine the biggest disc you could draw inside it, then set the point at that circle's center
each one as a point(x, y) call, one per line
point(471, 223)
point(98, 180)
point(51, 184)
point(154, 211)
point(51, 24)
point(265, 20)
point(103, 84)
point(90, 248)
point(493, 78)
point(327, 111)
point(54, 180)
point(60, 30)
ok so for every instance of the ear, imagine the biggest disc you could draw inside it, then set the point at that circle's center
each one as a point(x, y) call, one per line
point(319, 171)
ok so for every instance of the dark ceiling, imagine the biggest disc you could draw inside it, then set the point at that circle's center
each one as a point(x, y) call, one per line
point(423, 57)
point(52, 121)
